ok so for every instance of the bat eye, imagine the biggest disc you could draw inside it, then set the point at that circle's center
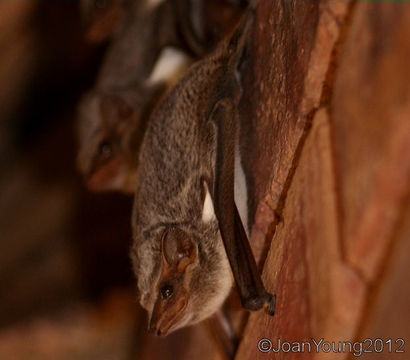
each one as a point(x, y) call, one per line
point(166, 292)
point(105, 149)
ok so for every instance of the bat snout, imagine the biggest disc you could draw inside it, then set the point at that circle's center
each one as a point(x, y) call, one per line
point(159, 328)
point(167, 313)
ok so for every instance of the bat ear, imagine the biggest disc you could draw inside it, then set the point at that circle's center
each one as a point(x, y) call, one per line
point(115, 110)
point(178, 248)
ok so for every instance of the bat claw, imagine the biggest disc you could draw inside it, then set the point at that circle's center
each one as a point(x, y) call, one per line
point(271, 304)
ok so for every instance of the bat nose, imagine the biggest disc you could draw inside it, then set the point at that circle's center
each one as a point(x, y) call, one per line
point(156, 327)
point(156, 330)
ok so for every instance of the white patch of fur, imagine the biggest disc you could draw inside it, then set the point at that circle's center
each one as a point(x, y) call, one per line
point(208, 212)
point(241, 191)
point(169, 66)
point(225, 282)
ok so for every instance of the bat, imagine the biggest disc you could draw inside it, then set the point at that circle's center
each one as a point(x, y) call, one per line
point(111, 118)
point(189, 239)
point(128, 82)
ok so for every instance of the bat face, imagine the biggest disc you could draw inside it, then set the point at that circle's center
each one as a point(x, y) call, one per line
point(178, 252)
point(109, 140)
point(181, 282)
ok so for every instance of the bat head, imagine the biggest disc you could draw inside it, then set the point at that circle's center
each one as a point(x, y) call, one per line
point(183, 274)
point(110, 130)
point(178, 253)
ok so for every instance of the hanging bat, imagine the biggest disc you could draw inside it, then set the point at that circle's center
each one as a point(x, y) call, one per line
point(188, 194)
point(112, 117)
point(128, 86)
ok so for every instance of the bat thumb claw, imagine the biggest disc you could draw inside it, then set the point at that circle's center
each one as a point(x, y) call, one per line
point(271, 304)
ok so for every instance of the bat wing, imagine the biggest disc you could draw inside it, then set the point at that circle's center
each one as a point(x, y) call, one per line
point(248, 281)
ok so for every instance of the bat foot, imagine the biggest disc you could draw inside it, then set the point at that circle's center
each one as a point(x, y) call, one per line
point(258, 302)
point(254, 302)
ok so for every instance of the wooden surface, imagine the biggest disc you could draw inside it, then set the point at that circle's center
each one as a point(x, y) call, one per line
point(334, 169)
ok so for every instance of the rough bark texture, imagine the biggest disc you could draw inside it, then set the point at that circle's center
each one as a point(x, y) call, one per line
point(293, 43)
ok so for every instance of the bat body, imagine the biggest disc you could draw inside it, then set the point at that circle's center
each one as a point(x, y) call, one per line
point(113, 116)
point(189, 240)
